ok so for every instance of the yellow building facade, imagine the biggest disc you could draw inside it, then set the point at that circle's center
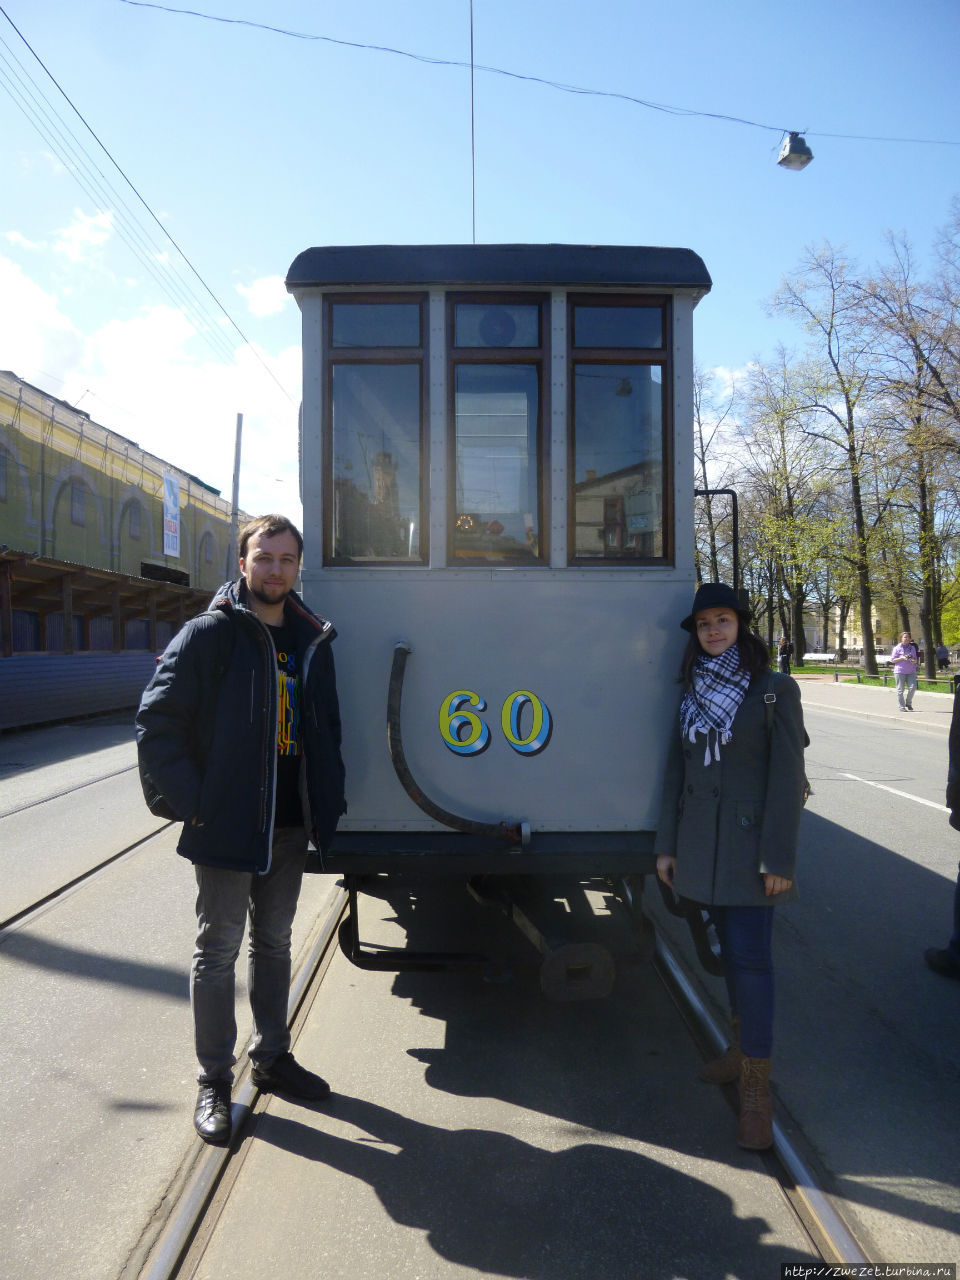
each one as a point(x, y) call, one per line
point(74, 491)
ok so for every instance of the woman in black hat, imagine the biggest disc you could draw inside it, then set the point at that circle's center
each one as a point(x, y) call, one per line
point(733, 796)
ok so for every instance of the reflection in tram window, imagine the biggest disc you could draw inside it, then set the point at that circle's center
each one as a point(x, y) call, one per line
point(376, 461)
point(617, 326)
point(618, 462)
point(375, 324)
point(497, 514)
point(496, 324)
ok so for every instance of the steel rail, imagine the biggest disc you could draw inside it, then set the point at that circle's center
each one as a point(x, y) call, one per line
point(78, 882)
point(191, 1195)
point(815, 1201)
point(67, 791)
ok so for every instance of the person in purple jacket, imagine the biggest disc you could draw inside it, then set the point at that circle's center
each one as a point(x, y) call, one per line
point(905, 659)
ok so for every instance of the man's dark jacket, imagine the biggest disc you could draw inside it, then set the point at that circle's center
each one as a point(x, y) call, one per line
point(207, 731)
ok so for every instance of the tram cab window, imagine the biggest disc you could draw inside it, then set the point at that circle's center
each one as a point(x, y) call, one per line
point(625, 326)
point(375, 324)
point(496, 380)
point(480, 324)
point(618, 422)
point(374, 428)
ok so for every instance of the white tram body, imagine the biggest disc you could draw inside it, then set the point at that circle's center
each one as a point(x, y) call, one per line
point(497, 475)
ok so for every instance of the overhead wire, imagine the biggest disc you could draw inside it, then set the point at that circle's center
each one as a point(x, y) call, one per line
point(29, 99)
point(207, 331)
point(516, 75)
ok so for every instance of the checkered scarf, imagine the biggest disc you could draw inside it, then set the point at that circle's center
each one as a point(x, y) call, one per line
point(711, 703)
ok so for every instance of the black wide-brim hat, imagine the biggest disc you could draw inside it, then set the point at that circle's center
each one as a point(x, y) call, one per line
point(715, 595)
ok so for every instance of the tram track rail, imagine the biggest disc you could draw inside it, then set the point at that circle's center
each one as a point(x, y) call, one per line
point(182, 1223)
point(39, 905)
point(795, 1174)
point(64, 891)
point(66, 791)
point(174, 1238)
point(174, 1247)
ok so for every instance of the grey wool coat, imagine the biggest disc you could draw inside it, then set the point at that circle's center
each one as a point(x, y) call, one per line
point(730, 822)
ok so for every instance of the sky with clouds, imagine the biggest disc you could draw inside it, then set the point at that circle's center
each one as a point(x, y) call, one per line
point(147, 286)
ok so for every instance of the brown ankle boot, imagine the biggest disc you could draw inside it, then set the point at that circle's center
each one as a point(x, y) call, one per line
point(726, 1068)
point(755, 1127)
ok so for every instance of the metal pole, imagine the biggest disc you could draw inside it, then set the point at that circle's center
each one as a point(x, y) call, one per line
point(234, 509)
point(735, 519)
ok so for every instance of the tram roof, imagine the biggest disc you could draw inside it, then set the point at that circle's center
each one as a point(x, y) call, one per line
point(503, 264)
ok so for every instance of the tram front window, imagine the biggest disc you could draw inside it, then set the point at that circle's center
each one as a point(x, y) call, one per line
point(618, 462)
point(376, 461)
point(496, 497)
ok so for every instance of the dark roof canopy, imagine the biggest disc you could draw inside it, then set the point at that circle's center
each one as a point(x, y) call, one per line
point(472, 264)
point(46, 586)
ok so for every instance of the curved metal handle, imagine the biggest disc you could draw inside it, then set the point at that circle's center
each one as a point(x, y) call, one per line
point(511, 832)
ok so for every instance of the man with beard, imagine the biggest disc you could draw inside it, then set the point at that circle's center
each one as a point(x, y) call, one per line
point(238, 736)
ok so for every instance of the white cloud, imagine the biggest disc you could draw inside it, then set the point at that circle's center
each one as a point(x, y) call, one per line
point(17, 238)
point(266, 296)
point(36, 339)
point(83, 234)
point(731, 379)
point(147, 377)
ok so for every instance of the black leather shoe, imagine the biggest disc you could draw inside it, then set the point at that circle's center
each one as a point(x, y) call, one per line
point(211, 1119)
point(285, 1075)
point(942, 962)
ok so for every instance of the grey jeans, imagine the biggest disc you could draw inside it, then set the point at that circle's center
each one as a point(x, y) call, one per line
point(906, 687)
point(224, 900)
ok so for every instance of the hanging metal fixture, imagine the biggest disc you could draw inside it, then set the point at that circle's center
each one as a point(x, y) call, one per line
point(794, 153)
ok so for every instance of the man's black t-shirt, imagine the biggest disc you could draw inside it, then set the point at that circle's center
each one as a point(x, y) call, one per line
point(289, 810)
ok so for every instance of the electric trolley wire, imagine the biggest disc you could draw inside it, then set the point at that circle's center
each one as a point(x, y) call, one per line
point(516, 75)
point(27, 96)
point(131, 235)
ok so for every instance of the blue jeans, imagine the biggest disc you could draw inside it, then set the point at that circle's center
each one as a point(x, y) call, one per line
point(906, 687)
point(745, 935)
point(224, 900)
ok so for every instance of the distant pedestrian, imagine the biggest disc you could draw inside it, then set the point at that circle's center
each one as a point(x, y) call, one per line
point(784, 654)
point(946, 960)
point(943, 657)
point(905, 659)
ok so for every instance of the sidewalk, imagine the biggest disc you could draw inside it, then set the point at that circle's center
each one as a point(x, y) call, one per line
point(931, 711)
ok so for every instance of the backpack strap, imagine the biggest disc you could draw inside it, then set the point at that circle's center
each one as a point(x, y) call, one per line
point(769, 701)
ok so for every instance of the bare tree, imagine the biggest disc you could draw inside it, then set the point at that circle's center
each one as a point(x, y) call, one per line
point(834, 395)
point(712, 409)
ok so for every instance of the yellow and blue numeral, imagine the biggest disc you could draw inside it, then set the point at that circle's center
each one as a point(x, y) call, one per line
point(465, 734)
point(454, 720)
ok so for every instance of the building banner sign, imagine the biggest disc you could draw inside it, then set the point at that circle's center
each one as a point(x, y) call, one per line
point(171, 515)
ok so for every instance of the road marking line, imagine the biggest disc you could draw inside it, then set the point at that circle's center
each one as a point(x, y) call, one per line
point(931, 804)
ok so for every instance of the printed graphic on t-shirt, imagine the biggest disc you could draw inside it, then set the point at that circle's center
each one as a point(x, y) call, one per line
point(288, 722)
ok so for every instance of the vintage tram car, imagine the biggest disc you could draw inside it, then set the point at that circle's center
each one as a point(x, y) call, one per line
point(497, 482)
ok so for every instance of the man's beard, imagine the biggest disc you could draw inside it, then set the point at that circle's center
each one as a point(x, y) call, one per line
point(260, 594)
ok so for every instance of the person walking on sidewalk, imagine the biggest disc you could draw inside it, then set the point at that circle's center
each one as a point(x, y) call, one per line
point(238, 736)
point(946, 960)
point(905, 659)
point(784, 653)
point(733, 796)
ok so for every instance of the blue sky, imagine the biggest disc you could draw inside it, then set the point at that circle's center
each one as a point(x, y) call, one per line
point(250, 146)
